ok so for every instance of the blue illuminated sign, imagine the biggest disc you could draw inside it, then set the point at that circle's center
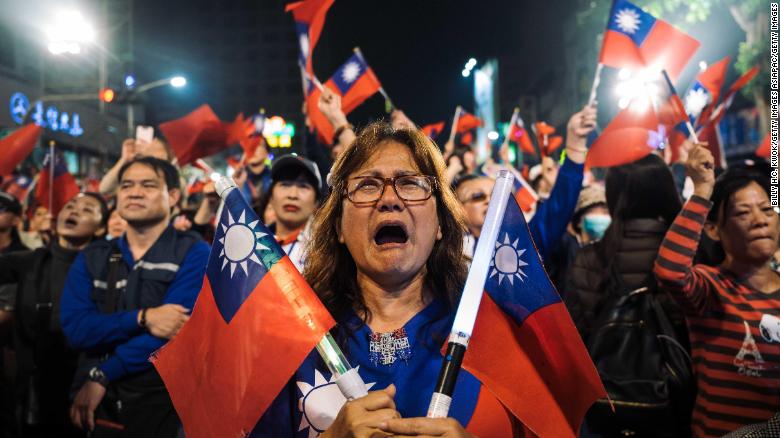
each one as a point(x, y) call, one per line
point(50, 118)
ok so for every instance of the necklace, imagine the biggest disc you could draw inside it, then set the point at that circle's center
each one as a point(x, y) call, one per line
point(386, 348)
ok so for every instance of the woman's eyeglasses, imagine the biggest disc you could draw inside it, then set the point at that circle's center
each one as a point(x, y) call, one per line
point(369, 189)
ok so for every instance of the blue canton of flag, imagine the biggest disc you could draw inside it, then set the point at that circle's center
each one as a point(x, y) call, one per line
point(302, 29)
point(696, 99)
point(630, 20)
point(348, 73)
point(59, 164)
point(517, 281)
point(244, 250)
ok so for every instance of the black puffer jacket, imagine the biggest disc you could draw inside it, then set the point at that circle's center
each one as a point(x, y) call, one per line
point(586, 281)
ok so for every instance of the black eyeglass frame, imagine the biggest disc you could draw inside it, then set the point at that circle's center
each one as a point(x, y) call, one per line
point(391, 182)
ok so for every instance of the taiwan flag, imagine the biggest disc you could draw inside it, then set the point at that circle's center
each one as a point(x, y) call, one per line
point(467, 122)
point(199, 134)
point(632, 134)
point(519, 135)
point(636, 40)
point(525, 195)
point(16, 146)
point(254, 322)
point(309, 16)
point(355, 81)
point(705, 91)
point(60, 184)
point(433, 130)
point(525, 347)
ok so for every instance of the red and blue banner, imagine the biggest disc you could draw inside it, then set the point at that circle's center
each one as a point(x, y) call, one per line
point(466, 122)
point(631, 135)
point(433, 130)
point(254, 323)
point(61, 185)
point(525, 347)
point(636, 40)
point(309, 16)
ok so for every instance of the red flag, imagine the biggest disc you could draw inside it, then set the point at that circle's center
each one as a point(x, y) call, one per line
point(254, 322)
point(63, 185)
point(711, 80)
point(319, 122)
point(519, 135)
point(467, 122)
point(636, 40)
point(309, 16)
point(525, 195)
point(765, 148)
point(728, 98)
point(199, 134)
point(433, 130)
point(16, 146)
point(523, 329)
point(467, 139)
point(711, 135)
point(17, 186)
point(630, 136)
point(547, 142)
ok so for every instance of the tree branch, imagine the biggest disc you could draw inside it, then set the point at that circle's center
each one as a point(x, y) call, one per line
point(743, 22)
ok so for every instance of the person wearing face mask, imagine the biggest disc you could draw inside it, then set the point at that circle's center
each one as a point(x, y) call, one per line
point(46, 363)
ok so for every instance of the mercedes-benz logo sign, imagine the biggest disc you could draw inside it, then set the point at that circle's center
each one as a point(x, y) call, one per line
point(19, 107)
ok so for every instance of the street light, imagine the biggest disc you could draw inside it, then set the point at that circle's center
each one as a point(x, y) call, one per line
point(68, 33)
point(178, 81)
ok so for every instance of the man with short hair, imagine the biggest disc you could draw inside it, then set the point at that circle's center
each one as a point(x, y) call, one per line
point(123, 299)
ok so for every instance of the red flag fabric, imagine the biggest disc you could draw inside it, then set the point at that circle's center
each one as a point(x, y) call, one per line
point(200, 134)
point(433, 130)
point(711, 135)
point(63, 185)
point(467, 122)
point(254, 322)
point(523, 329)
point(309, 16)
point(525, 195)
point(17, 186)
point(519, 135)
point(630, 136)
point(714, 77)
point(636, 40)
point(16, 146)
point(728, 98)
point(355, 82)
point(467, 139)
point(765, 148)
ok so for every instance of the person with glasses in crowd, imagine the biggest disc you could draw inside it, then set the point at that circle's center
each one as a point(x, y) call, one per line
point(386, 258)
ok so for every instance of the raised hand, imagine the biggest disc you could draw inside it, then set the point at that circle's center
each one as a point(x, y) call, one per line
point(700, 167)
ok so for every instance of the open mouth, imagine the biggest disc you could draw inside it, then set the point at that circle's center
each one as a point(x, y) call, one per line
point(71, 222)
point(389, 234)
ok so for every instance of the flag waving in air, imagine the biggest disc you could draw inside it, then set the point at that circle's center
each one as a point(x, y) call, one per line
point(523, 329)
point(519, 135)
point(467, 122)
point(60, 185)
point(636, 40)
point(309, 16)
point(16, 146)
point(433, 130)
point(254, 322)
point(705, 91)
point(354, 81)
point(628, 137)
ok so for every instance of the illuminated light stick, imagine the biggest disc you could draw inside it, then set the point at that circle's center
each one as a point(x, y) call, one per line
point(51, 175)
point(595, 86)
point(466, 314)
point(347, 378)
point(389, 107)
point(454, 126)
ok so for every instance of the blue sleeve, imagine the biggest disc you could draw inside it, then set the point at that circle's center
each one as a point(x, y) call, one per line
point(553, 215)
point(82, 322)
point(133, 356)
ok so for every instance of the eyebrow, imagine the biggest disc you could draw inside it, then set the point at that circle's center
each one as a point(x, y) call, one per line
point(142, 181)
point(378, 174)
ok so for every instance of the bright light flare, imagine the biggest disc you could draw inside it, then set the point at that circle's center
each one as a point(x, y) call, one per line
point(215, 176)
point(492, 135)
point(68, 33)
point(702, 65)
point(178, 81)
point(466, 72)
point(637, 91)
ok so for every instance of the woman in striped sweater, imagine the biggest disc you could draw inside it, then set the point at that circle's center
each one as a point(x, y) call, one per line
point(733, 310)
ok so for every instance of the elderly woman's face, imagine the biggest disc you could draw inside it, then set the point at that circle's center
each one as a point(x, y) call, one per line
point(391, 239)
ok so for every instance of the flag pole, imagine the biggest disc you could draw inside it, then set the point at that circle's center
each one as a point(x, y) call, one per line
point(389, 107)
point(595, 86)
point(466, 315)
point(51, 176)
point(347, 378)
point(512, 122)
point(458, 109)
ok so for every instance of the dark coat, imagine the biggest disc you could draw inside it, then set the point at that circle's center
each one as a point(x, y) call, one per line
point(586, 281)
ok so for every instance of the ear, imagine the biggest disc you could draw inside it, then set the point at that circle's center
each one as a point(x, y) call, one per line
point(439, 235)
point(175, 196)
point(339, 233)
point(712, 231)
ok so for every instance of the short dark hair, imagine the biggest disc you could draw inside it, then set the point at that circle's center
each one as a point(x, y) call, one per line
point(458, 180)
point(730, 182)
point(167, 169)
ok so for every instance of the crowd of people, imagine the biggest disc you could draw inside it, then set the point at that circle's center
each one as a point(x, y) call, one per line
point(676, 295)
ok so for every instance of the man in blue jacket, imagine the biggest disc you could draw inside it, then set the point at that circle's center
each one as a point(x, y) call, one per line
point(123, 299)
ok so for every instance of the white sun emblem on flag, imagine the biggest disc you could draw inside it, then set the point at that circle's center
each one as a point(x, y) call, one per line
point(239, 243)
point(627, 20)
point(303, 40)
point(320, 403)
point(696, 100)
point(350, 72)
point(506, 261)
